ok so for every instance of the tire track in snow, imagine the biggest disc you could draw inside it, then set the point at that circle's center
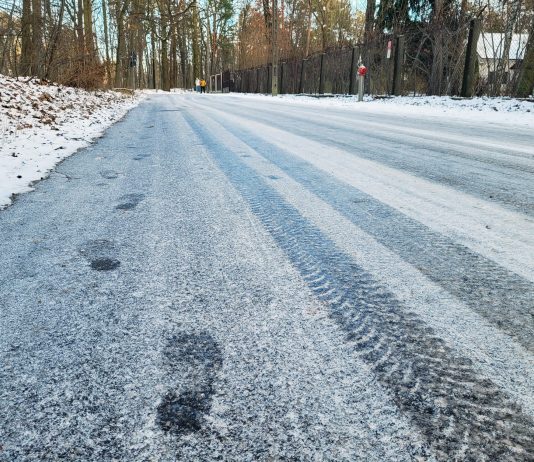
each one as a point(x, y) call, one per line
point(288, 388)
point(462, 416)
point(498, 136)
point(501, 235)
point(494, 354)
point(501, 178)
point(502, 297)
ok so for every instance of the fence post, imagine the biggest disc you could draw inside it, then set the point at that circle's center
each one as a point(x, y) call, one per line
point(321, 75)
point(353, 71)
point(301, 83)
point(468, 81)
point(397, 66)
point(281, 88)
point(275, 50)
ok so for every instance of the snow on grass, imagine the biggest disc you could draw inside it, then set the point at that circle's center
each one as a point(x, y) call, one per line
point(42, 123)
point(508, 111)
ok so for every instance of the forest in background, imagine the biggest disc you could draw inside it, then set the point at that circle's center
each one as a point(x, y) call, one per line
point(168, 43)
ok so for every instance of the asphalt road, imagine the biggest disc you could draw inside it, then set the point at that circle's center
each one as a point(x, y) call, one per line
point(223, 278)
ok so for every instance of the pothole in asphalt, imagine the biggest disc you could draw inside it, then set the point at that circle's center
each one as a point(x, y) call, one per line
point(130, 201)
point(109, 174)
point(105, 264)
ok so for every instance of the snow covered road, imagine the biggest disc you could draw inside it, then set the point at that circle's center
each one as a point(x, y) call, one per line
point(232, 278)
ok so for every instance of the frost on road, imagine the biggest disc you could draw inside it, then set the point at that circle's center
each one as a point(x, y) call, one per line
point(243, 279)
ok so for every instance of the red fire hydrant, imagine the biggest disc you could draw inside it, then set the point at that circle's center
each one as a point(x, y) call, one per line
point(362, 70)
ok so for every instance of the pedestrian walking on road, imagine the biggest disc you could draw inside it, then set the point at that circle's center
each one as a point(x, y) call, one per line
point(202, 86)
point(197, 85)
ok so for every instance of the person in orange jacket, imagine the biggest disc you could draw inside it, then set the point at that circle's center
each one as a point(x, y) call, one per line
point(202, 86)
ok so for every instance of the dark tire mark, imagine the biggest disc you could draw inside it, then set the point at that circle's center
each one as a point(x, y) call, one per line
point(192, 362)
point(463, 416)
point(502, 297)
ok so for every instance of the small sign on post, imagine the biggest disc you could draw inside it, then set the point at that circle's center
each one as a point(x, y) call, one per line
point(362, 70)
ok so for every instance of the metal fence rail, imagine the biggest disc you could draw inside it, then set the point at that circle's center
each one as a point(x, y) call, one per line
point(399, 65)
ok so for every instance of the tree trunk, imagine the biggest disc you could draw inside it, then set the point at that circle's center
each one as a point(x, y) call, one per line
point(153, 47)
point(79, 26)
point(121, 50)
point(89, 47)
point(51, 52)
point(106, 40)
point(37, 38)
point(308, 30)
point(436, 73)
point(183, 59)
point(267, 17)
point(174, 61)
point(26, 45)
point(165, 74)
point(369, 21)
point(141, 45)
point(197, 71)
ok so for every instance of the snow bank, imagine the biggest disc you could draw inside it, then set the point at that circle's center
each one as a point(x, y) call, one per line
point(42, 123)
point(508, 111)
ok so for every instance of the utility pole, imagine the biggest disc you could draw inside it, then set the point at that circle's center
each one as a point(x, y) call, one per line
point(274, 39)
point(397, 68)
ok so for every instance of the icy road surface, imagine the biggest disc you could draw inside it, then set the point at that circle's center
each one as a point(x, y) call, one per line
point(224, 278)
